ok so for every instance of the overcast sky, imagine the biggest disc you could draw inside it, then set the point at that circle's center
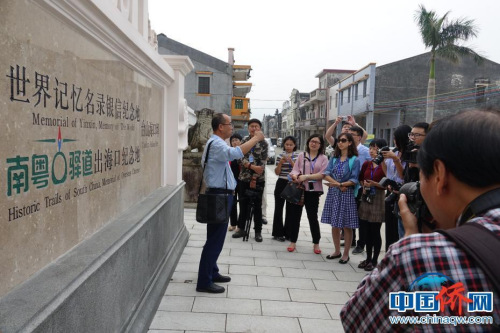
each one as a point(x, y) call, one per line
point(288, 43)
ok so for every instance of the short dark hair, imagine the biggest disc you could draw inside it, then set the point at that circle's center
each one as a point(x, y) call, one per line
point(471, 160)
point(424, 126)
point(235, 136)
point(378, 142)
point(352, 150)
point(217, 120)
point(291, 138)
point(357, 129)
point(254, 120)
point(321, 145)
point(401, 137)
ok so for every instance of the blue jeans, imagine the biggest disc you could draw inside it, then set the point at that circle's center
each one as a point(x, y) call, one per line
point(216, 234)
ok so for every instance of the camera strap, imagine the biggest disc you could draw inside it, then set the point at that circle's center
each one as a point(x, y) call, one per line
point(478, 242)
point(481, 204)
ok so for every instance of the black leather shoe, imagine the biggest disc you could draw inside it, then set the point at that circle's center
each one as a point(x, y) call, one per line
point(240, 233)
point(212, 289)
point(279, 239)
point(330, 257)
point(342, 261)
point(258, 237)
point(264, 221)
point(222, 278)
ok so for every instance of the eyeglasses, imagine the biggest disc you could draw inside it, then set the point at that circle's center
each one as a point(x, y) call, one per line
point(416, 135)
point(230, 124)
point(315, 142)
point(343, 140)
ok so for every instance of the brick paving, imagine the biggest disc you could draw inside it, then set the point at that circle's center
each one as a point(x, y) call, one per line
point(271, 290)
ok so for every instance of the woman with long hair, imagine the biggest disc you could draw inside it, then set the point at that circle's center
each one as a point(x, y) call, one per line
point(372, 207)
point(340, 209)
point(308, 170)
point(393, 169)
point(284, 165)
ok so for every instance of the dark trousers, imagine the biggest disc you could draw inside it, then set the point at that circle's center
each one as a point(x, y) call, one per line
point(244, 206)
point(216, 234)
point(391, 225)
point(278, 229)
point(373, 241)
point(363, 231)
point(234, 209)
point(311, 202)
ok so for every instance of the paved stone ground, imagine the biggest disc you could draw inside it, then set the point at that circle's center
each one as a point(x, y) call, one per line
point(271, 290)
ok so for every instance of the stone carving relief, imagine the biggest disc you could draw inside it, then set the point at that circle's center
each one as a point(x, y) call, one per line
point(201, 131)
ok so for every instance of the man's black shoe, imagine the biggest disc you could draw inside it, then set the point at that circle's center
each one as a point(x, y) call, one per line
point(213, 289)
point(240, 233)
point(222, 278)
point(258, 237)
point(279, 239)
point(264, 221)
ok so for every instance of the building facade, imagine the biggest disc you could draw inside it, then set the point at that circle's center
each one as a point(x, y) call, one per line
point(384, 97)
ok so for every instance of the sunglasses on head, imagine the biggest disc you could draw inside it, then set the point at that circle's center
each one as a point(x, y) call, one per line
point(343, 140)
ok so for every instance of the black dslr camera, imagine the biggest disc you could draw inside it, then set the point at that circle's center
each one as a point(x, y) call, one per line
point(410, 153)
point(386, 181)
point(391, 198)
point(377, 160)
point(417, 205)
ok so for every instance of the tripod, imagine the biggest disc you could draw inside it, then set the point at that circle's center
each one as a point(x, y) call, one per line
point(251, 195)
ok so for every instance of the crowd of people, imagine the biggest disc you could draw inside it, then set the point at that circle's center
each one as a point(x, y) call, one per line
point(355, 199)
point(456, 178)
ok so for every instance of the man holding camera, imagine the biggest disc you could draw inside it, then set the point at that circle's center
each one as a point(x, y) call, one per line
point(411, 170)
point(252, 181)
point(417, 137)
point(460, 182)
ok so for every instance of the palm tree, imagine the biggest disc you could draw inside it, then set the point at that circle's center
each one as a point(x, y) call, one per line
point(443, 37)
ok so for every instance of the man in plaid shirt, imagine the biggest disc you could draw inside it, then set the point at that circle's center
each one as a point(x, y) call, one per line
point(458, 163)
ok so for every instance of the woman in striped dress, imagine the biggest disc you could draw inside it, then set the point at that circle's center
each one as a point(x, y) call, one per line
point(284, 165)
point(340, 210)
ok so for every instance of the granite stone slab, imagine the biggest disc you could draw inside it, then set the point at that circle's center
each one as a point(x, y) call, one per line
point(255, 270)
point(318, 296)
point(309, 273)
point(262, 324)
point(227, 305)
point(285, 282)
point(320, 326)
point(176, 303)
point(260, 293)
point(295, 310)
point(189, 321)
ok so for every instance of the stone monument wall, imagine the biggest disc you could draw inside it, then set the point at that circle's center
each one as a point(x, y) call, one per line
point(90, 112)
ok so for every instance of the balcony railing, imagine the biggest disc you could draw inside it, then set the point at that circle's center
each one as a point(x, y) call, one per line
point(317, 95)
point(316, 122)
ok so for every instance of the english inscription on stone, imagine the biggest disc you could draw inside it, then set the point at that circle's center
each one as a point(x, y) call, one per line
point(80, 139)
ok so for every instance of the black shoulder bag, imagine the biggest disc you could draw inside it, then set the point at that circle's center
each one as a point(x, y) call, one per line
point(212, 208)
point(293, 192)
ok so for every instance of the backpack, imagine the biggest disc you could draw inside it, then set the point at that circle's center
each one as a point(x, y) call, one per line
point(351, 163)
